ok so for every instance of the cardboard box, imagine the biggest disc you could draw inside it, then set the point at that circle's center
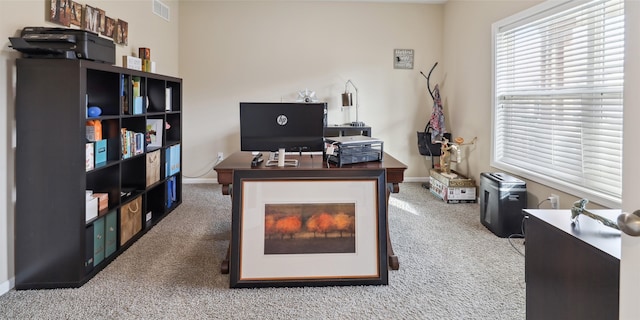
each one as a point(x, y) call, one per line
point(457, 189)
point(131, 62)
point(103, 202)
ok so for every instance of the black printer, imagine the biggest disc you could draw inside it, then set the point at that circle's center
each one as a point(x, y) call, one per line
point(44, 42)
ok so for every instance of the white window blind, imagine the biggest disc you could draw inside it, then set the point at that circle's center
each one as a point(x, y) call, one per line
point(558, 80)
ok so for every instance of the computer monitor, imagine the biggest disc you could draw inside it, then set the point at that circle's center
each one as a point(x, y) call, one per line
point(282, 127)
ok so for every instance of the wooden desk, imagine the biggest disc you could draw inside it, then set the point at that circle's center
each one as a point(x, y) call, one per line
point(571, 272)
point(242, 160)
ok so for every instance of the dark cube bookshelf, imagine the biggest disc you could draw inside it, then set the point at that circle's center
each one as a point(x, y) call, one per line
point(55, 245)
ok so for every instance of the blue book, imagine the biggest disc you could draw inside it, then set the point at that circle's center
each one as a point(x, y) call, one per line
point(137, 105)
point(174, 164)
point(171, 191)
point(167, 162)
point(139, 145)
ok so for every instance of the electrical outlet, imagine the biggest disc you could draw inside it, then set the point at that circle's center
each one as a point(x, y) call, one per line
point(220, 156)
point(555, 201)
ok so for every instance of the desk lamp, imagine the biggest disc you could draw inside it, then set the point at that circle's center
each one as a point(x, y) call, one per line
point(347, 102)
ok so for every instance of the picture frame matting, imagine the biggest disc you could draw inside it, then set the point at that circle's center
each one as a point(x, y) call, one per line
point(308, 228)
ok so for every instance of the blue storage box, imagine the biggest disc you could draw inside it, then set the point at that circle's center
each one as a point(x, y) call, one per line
point(101, 152)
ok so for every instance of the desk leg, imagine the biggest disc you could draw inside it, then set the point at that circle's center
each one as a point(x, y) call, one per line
point(393, 259)
point(224, 266)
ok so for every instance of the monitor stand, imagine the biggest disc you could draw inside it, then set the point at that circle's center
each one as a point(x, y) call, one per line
point(281, 161)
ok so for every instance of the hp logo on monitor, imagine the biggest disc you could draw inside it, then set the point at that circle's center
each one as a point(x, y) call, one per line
point(282, 120)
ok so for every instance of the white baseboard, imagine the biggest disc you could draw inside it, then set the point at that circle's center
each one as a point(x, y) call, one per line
point(416, 179)
point(7, 286)
point(199, 180)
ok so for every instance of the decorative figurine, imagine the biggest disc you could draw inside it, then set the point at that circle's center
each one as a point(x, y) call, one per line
point(580, 207)
point(445, 155)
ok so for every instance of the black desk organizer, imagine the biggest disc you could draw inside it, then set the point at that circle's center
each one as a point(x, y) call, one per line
point(355, 153)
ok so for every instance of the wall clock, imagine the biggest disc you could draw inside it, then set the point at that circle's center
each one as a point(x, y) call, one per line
point(403, 58)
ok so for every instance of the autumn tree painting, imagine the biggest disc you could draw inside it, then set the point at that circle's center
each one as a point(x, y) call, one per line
point(344, 223)
point(322, 223)
point(309, 228)
point(288, 226)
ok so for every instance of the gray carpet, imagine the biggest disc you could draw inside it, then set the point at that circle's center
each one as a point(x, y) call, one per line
point(451, 267)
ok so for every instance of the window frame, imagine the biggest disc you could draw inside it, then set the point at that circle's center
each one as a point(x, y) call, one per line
point(536, 13)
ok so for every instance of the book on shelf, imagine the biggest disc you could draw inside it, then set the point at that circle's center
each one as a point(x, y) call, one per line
point(124, 93)
point(137, 105)
point(125, 143)
point(135, 82)
point(132, 143)
point(139, 143)
point(168, 99)
point(172, 160)
point(171, 191)
point(175, 159)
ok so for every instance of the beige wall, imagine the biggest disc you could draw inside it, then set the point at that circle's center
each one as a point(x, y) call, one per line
point(466, 85)
point(259, 51)
point(145, 30)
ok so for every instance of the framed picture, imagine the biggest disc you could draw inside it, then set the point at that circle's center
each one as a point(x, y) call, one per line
point(308, 228)
point(153, 133)
point(60, 12)
point(76, 14)
point(91, 21)
point(403, 58)
point(102, 16)
point(122, 32)
point(109, 27)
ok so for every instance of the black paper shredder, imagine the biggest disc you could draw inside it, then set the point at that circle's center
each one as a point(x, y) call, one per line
point(502, 198)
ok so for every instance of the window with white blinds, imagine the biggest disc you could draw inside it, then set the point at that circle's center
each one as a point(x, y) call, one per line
point(558, 80)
